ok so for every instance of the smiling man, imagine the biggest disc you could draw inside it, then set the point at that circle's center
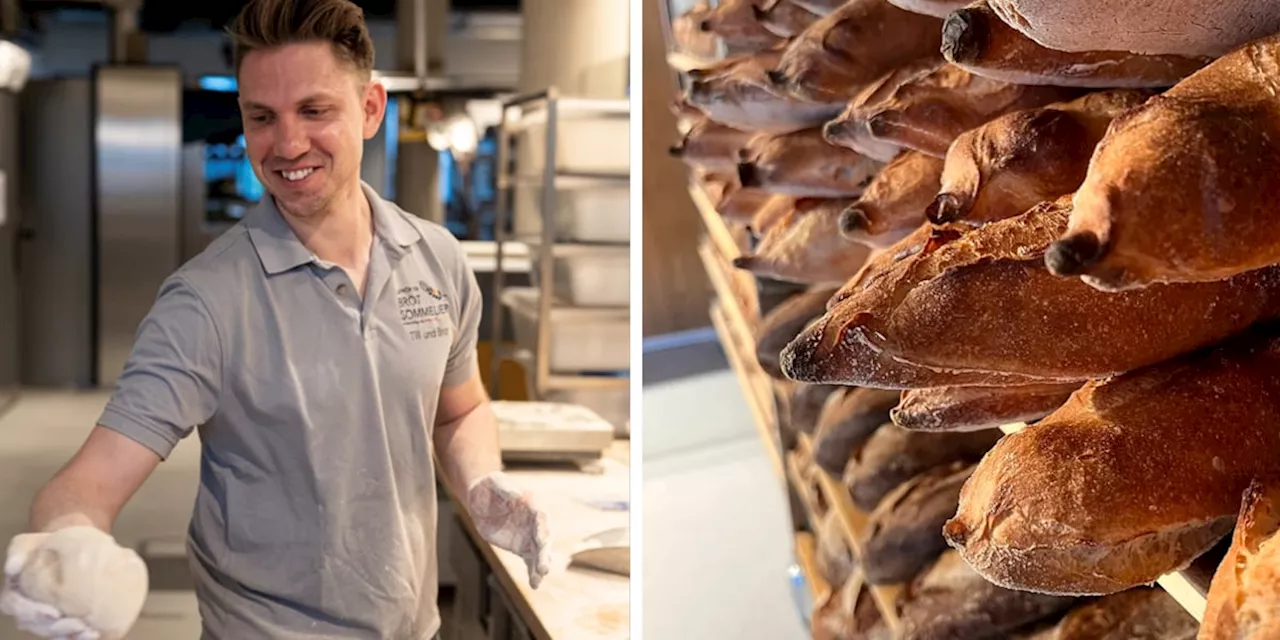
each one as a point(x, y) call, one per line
point(325, 349)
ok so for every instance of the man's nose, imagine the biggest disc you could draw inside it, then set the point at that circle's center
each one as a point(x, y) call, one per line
point(291, 139)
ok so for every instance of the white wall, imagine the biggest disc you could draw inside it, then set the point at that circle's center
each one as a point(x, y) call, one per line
point(579, 46)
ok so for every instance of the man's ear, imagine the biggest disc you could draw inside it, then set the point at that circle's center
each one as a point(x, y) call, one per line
point(375, 107)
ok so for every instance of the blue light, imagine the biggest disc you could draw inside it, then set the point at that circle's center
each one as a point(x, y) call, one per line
point(224, 84)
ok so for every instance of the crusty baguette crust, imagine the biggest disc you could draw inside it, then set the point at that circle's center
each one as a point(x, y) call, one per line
point(976, 39)
point(1143, 613)
point(804, 165)
point(893, 455)
point(805, 246)
point(785, 18)
point(839, 54)
point(977, 408)
point(784, 322)
point(1244, 597)
point(740, 205)
point(979, 308)
point(893, 204)
point(1182, 188)
point(904, 533)
point(854, 134)
point(850, 416)
point(1008, 165)
point(1181, 27)
point(739, 94)
point(834, 558)
point(736, 22)
point(712, 146)
point(1133, 478)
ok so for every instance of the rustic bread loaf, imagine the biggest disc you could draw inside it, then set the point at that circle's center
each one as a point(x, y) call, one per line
point(1134, 477)
point(1142, 613)
point(976, 408)
point(687, 35)
point(803, 165)
point(904, 533)
point(1244, 597)
point(712, 146)
point(852, 46)
point(976, 39)
point(850, 416)
point(894, 203)
point(834, 558)
point(805, 246)
point(893, 455)
point(1182, 27)
point(849, 613)
point(784, 322)
point(979, 308)
point(736, 23)
point(737, 93)
point(1018, 160)
point(847, 131)
point(1179, 190)
point(740, 205)
point(784, 18)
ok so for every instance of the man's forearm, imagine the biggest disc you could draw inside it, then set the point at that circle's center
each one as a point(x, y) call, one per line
point(467, 447)
point(61, 504)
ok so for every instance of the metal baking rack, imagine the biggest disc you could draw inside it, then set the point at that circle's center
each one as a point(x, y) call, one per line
point(549, 109)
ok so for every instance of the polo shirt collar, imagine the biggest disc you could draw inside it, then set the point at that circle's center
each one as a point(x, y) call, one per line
point(280, 250)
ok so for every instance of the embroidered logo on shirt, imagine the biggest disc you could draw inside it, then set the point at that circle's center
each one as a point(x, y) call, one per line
point(421, 307)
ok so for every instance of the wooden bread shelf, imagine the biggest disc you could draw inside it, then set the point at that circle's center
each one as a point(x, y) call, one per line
point(754, 384)
point(1189, 588)
point(807, 557)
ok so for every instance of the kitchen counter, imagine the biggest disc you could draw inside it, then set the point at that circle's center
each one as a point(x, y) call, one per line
point(572, 603)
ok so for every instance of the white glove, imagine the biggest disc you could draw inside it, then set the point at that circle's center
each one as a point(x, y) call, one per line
point(74, 584)
point(507, 518)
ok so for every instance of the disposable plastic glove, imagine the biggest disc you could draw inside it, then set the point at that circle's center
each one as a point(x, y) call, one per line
point(75, 583)
point(507, 518)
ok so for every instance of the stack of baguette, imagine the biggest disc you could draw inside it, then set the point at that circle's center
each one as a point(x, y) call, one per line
point(1044, 212)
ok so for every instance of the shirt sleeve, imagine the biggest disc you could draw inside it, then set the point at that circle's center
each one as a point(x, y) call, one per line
point(462, 355)
point(173, 377)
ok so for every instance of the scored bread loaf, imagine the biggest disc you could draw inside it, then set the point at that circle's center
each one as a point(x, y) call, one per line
point(893, 204)
point(893, 455)
point(949, 601)
point(736, 23)
point(928, 112)
point(1182, 27)
point(738, 204)
point(1142, 613)
point(976, 408)
point(803, 165)
point(800, 409)
point(1180, 189)
point(904, 533)
point(805, 246)
point(849, 613)
point(976, 39)
point(1134, 477)
point(979, 308)
point(784, 18)
point(739, 94)
point(850, 416)
point(852, 46)
point(834, 558)
point(852, 133)
point(687, 35)
point(782, 323)
point(772, 212)
point(1244, 597)
point(712, 146)
point(1018, 160)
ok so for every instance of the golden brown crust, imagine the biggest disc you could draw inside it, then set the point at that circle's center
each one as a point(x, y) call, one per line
point(774, 211)
point(1141, 613)
point(893, 204)
point(928, 112)
point(850, 416)
point(979, 308)
point(805, 246)
point(834, 559)
point(1244, 597)
point(976, 39)
point(854, 134)
point(1008, 165)
point(739, 94)
point(688, 36)
point(736, 22)
point(904, 534)
point(837, 55)
point(783, 322)
point(976, 408)
point(804, 165)
point(740, 206)
point(1181, 189)
point(1131, 479)
point(785, 18)
point(712, 146)
point(893, 455)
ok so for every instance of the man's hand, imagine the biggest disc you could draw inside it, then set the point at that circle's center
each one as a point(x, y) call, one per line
point(507, 518)
point(74, 584)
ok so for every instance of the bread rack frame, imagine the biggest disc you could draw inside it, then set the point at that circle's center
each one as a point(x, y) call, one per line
point(550, 107)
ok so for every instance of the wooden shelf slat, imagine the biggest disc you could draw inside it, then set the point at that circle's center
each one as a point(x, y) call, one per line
point(763, 415)
point(807, 557)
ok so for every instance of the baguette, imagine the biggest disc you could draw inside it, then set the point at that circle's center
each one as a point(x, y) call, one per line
point(893, 455)
point(688, 36)
point(928, 112)
point(951, 601)
point(805, 246)
point(853, 134)
point(803, 405)
point(739, 205)
point(1142, 613)
point(904, 533)
point(740, 95)
point(1010, 164)
point(1134, 477)
point(1180, 188)
point(1180, 27)
point(977, 408)
point(849, 417)
point(977, 40)
point(736, 23)
point(712, 146)
point(1243, 601)
point(784, 18)
point(773, 212)
point(979, 308)
point(852, 46)
point(784, 322)
point(834, 559)
point(803, 165)
point(894, 203)
point(849, 613)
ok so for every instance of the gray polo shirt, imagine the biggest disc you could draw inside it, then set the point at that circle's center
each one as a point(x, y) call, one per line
point(316, 513)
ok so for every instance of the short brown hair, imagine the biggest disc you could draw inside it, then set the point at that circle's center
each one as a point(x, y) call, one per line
point(264, 24)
